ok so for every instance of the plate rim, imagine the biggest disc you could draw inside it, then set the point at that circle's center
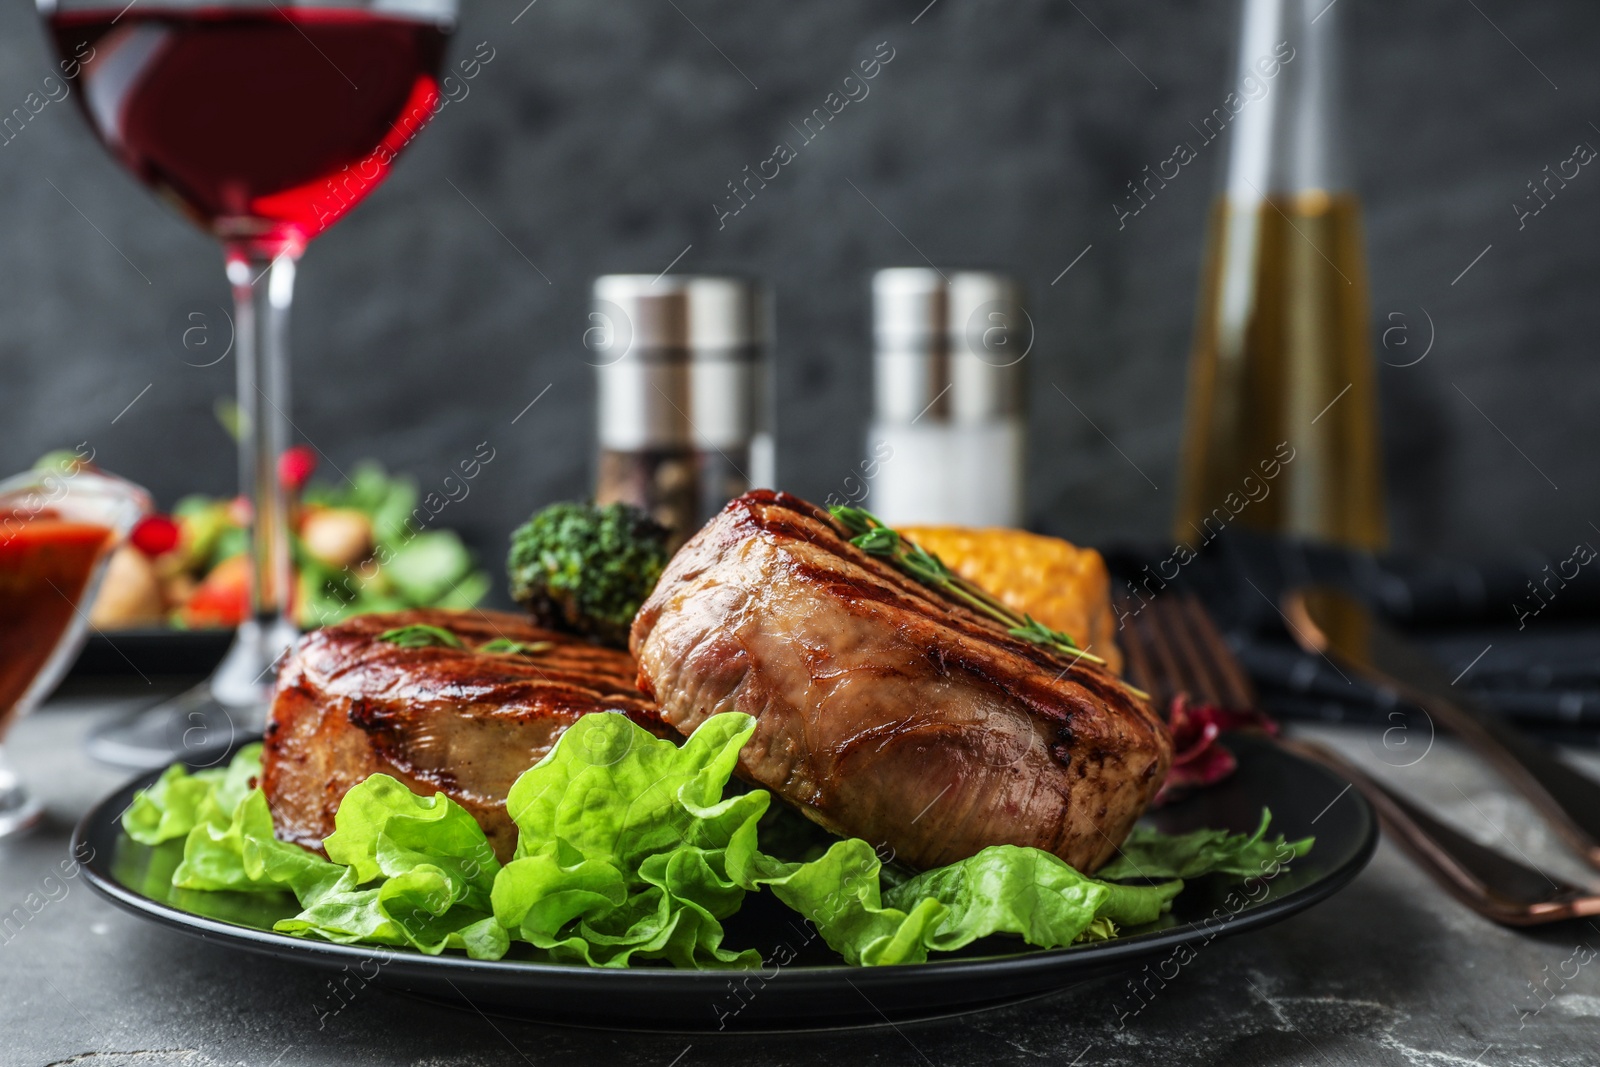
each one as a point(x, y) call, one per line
point(104, 818)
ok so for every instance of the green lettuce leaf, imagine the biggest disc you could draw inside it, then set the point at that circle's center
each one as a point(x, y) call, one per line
point(179, 800)
point(420, 909)
point(624, 845)
point(238, 852)
point(384, 829)
point(227, 831)
point(1030, 893)
point(1148, 853)
point(434, 870)
point(1003, 889)
point(841, 895)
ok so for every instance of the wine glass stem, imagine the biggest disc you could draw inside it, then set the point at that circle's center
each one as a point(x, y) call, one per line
point(262, 293)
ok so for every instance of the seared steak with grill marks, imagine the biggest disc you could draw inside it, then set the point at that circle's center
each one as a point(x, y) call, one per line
point(885, 711)
point(457, 721)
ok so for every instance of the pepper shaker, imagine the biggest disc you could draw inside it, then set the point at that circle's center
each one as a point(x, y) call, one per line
point(683, 421)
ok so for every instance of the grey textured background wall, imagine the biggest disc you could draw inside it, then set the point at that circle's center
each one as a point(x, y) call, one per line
point(602, 133)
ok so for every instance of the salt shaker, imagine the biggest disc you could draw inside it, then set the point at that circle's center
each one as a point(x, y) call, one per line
point(948, 431)
point(683, 423)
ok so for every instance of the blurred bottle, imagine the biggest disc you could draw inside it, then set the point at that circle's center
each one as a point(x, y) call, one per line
point(1281, 387)
point(683, 408)
point(947, 437)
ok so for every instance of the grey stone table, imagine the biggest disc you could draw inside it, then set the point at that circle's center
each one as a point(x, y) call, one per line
point(1388, 972)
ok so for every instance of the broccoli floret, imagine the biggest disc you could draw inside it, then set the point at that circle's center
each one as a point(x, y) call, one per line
point(586, 569)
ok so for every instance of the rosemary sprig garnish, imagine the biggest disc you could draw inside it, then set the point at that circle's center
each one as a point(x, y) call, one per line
point(872, 536)
point(421, 635)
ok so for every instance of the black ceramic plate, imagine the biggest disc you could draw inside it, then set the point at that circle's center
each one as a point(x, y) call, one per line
point(803, 987)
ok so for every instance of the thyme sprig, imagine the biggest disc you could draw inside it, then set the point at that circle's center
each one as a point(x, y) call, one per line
point(422, 635)
point(505, 646)
point(870, 534)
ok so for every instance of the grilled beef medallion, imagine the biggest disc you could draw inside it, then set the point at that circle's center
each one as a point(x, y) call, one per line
point(885, 711)
point(461, 721)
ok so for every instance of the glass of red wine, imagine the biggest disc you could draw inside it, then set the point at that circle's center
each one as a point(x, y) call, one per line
point(265, 122)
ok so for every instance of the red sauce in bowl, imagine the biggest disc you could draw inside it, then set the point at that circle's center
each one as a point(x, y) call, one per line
point(45, 564)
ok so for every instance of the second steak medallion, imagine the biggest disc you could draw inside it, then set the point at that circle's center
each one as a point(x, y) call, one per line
point(885, 711)
point(465, 719)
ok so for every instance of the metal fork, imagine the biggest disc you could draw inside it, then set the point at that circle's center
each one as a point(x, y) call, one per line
point(1173, 647)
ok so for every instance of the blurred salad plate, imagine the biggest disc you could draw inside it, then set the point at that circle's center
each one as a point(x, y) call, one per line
point(179, 585)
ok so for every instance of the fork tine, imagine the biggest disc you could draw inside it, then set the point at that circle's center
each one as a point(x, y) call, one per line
point(1164, 661)
point(1239, 694)
point(1149, 673)
point(1200, 680)
point(1176, 647)
point(1170, 655)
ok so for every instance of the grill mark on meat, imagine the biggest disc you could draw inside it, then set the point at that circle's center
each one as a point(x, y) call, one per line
point(484, 673)
point(366, 715)
point(1063, 746)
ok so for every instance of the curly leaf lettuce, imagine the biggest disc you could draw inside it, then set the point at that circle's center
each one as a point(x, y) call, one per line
point(227, 831)
point(841, 895)
point(1148, 853)
point(415, 871)
point(625, 842)
point(404, 870)
point(627, 850)
point(179, 800)
point(1003, 889)
point(420, 908)
point(1030, 893)
point(384, 829)
point(237, 851)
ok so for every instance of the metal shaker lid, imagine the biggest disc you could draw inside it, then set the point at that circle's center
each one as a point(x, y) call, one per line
point(986, 317)
point(703, 315)
point(630, 316)
point(949, 347)
point(678, 359)
point(990, 333)
point(910, 308)
point(726, 313)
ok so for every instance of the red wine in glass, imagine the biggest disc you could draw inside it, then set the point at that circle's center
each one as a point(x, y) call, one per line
point(265, 121)
point(265, 124)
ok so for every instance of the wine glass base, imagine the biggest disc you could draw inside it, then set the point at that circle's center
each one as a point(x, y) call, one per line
point(200, 725)
point(20, 810)
point(192, 727)
point(246, 674)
